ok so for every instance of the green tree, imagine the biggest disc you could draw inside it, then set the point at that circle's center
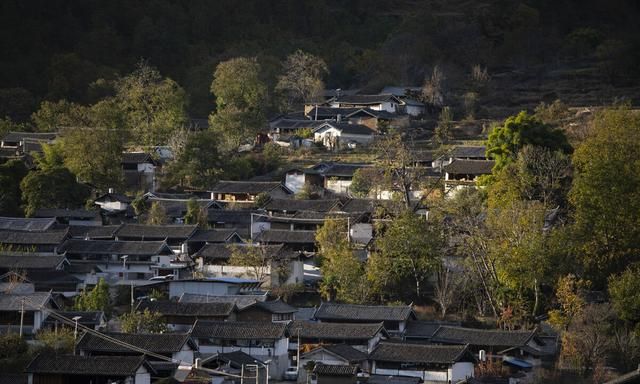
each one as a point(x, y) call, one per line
point(343, 275)
point(98, 299)
point(606, 195)
point(157, 215)
point(53, 116)
point(624, 290)
point(409, 250)
point(60, 340)
point(255, 257)
point(154, 107)
point(143, 322)
point(301, 81)
point(361, 183)
point(11, 174)
point(241, 98)
point(12, 345)
point(505, 141)
point(52, 188)
point(196, 214)
point(199, 164)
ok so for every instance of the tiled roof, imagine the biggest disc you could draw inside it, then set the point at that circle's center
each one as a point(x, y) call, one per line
point(368, 313)
point(101, 232)
point(470, 151)
point(293, 124)
point(366, 99)
point(239, 330)
point(86, 317)
point(26, 224)
point(32, 238)
point(481, 337)
point(213, 235)
point(279, 236)
point(113, 247)
point(236, 358)
point(46, 277)
point(470, 167)
point(241, 301)
point(136, 158)
point(424, 329)
point(418, 353)
point(66, 213)
point(233, 217)
point(275, 306)
point(334, 331)
point(249, 187)
point(30, 262)
point(172, 308)
point(178, 208)
point(32, 301)
point(294, 205)
point(19, 136)
point(114, 197)
point(156, 232)
point(223, 251)
point(47, 363)
point(335, 370)
point(157, 343)
point(344, 351)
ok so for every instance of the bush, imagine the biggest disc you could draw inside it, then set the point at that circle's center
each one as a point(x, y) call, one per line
point(12, 345)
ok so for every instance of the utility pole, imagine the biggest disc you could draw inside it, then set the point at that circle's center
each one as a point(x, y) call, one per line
point(132, 300)
point(242, 374)
point(21, 315)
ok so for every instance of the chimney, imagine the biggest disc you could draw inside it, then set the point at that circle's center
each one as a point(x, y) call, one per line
point(111, 190)
point(338, 118)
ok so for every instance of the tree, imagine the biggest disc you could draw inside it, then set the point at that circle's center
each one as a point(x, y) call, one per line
point(52, 188)
point(344, 277)
point(157, 215)
point(257, 258)
point(199, 164)
point(60, 340)
point(606, 195)
point(143, 322)
point(154, 107)
point(570, 303)
point(505, 141)
point(624, 290)
point(395, 162)
point(442, 133)
point(361, 183)
point(410, 249)
point(12, 345)
point(445, 289)
point(241, 98)
point(433, 88)
point(52, 116)
point(196, 214)
point(98, 299)
point(301, 81)
point(11, 174)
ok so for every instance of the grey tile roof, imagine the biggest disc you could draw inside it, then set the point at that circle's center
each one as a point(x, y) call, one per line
point(30, 262)
point(32, 301)
point(294, 124)
point(66, 213)
point(241, 301)
point(424, 329)
point(47, 363)
point(54, 237)
point(470, 167)
point(26, 224)
point(102, 232)
point(334, 331)
point(275, 306)
point(322, 369)
point(86, 317)
point(418, 353)
point(278, 236)
point(236, 358)
point(156, 232)
point(482, 337)
point(223, 251)
point(469, 151)
point(178, 208)
point(346, 352)
point(136, 158)
point(305, 313)
point(113, 247)
point(19, 136)
point(157, 343)
point(173, 308)
point(239, 330)
point(213, 235)
point(294, 205)
point(249, 187)
point(232, 217)
point(400, 91)
point(364, 313)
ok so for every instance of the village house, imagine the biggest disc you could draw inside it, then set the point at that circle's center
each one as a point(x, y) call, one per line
point(431, 363)
point(273, 310)
point(16, 144)
point(333, 177)
point(48, 368)
point(203, 237)
point(75, 217)
point(376, 120)
point(339, 135)
point(35, 306)
point(334, 374)
point(266, 341)
point(212, 286)
point(363, 337)
point(43, 243)
point(95, 320)
point(103, 232)
point(239, 220)
point(139, 169)
point(248, 191)
point(176, 209)
point(175, 236)
point(333, 355)
point(461, 174)
point(381, 102)
point(394, 318)
point(45, 273)
point(28, 224)
point(180, 316)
